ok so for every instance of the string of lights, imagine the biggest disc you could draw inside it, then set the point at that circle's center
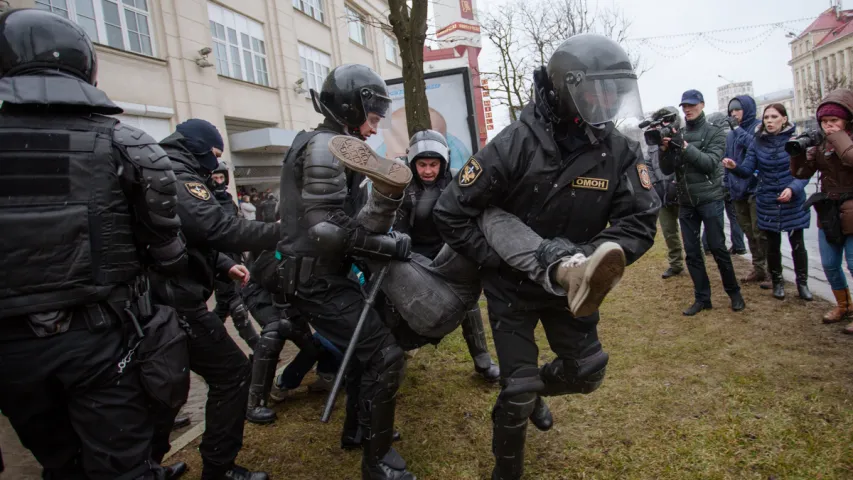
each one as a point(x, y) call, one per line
point(722, 30)
point(720, 44)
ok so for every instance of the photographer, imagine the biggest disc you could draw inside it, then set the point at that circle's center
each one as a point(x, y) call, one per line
point(694, 155)
point(832, 156)
point(665, 187)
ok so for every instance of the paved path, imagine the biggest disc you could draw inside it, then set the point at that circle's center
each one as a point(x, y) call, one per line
point(20, 464)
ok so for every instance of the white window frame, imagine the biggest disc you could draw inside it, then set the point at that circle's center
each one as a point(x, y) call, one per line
point(124, 6)
point(355, 20)
point(392, 51)
point(315, 66)
point(312, 8)
point(250, 46)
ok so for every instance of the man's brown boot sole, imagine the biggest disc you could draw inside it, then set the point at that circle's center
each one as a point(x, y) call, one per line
point(358, 156)
point(604, 269)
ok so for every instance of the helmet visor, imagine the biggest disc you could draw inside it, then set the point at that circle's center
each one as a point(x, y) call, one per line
point(433, 147)
point(605, 97)
point(375, 106)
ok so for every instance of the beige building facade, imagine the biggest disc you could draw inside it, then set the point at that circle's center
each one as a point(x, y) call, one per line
point(244, 65)
point(785, 97)
point(821, 56)
point(727, 92)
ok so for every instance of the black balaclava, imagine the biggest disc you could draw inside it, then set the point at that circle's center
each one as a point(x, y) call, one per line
point(200, 136)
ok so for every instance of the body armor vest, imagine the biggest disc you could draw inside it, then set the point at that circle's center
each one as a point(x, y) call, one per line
point(67, 226)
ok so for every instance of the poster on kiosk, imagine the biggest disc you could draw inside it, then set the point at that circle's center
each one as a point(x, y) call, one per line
point(451, 110)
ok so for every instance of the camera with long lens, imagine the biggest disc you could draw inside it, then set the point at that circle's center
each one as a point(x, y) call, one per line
point(658, 129)
point(802, 142)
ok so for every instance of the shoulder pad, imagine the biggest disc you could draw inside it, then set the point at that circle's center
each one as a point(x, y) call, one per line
point(141, 148)
point(131, 136)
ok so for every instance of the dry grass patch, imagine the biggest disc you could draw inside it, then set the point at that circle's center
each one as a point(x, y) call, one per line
point(765, 393)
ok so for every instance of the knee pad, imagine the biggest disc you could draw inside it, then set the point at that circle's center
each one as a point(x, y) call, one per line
point(269, 346)
point(387, 367)
point(565, 376)
point(239, 313)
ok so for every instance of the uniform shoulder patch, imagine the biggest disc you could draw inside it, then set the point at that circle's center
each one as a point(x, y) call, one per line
point(470, 172)
point(198, 190)
point(643, 173)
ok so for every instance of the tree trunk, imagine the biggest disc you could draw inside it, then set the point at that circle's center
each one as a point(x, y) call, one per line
point(409, 26)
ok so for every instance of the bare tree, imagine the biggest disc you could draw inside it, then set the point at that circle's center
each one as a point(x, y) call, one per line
point(409, 25)
point(815, 92)
point(526, 32)
point(509, 87)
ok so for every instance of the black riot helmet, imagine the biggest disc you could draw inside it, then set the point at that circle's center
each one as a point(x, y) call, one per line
point(593, 80)
point(223, 169)
point(428, 144)
point(350, 92)
point(35, 41)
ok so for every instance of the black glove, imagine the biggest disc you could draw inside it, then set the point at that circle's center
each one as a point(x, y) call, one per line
point(404, 246)
point(551, 251)
point(732, 121)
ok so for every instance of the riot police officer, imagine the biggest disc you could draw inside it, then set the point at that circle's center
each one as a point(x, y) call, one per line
point(227, 295)
point(88, 205)
point(566, 172)
point(429, 159)
point(322, 231)
point(194, 149)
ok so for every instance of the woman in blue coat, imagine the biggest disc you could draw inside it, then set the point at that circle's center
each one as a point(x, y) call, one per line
point(779, 197)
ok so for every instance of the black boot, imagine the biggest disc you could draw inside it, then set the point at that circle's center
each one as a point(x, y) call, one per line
point(541, 417)
point(240, 316)
point(175, 470)
point(263, 370)
point(239, 473)
point(738, 303)
point(696, 308)
point(778, 282)
point(475, 337)
point(801, 265)
point(379, 460)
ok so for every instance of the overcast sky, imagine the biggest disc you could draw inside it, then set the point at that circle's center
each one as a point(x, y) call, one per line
point(766, 64)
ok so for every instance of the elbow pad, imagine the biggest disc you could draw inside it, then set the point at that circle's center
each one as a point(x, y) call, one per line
point(170, 257)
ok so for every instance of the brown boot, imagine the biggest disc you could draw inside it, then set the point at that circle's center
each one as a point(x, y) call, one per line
point(839, 313)
point(756, 275)
point(390, 177)
point(588, 280)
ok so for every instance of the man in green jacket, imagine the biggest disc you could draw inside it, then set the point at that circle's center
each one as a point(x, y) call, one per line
point(695, 155)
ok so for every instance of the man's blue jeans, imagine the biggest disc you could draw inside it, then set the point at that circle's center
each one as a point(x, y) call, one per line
point(691, 219)
point(831, 258)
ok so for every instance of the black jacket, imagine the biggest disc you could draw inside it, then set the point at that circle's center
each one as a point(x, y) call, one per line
point(415, 214)
point(208, 229)
point(590, 194)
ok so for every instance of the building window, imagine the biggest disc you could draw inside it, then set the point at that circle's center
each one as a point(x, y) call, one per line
point(238, 46)
point(312, 8)
point(391, 50)
point(123, 24)
point(357, 29)
point(315, 67)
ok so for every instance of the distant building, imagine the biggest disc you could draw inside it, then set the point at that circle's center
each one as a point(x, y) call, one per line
point(821, 58)
point(729, 91)
point(785, 97)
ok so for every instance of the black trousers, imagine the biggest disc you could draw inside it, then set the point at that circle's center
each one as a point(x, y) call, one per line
point(225, 369)
point(225, 294)
point(691, 219)
point(68, 402)
point(514, 320)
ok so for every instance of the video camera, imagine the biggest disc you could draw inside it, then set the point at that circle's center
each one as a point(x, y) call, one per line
point(657, 130)
point(799, 144)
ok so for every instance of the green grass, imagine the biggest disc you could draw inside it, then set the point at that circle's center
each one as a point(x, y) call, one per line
point(766, 393)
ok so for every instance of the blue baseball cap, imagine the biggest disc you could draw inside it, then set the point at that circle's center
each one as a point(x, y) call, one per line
point(692, 97)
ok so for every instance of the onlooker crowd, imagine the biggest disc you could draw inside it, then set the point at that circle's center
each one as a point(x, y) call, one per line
point(756, 169)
